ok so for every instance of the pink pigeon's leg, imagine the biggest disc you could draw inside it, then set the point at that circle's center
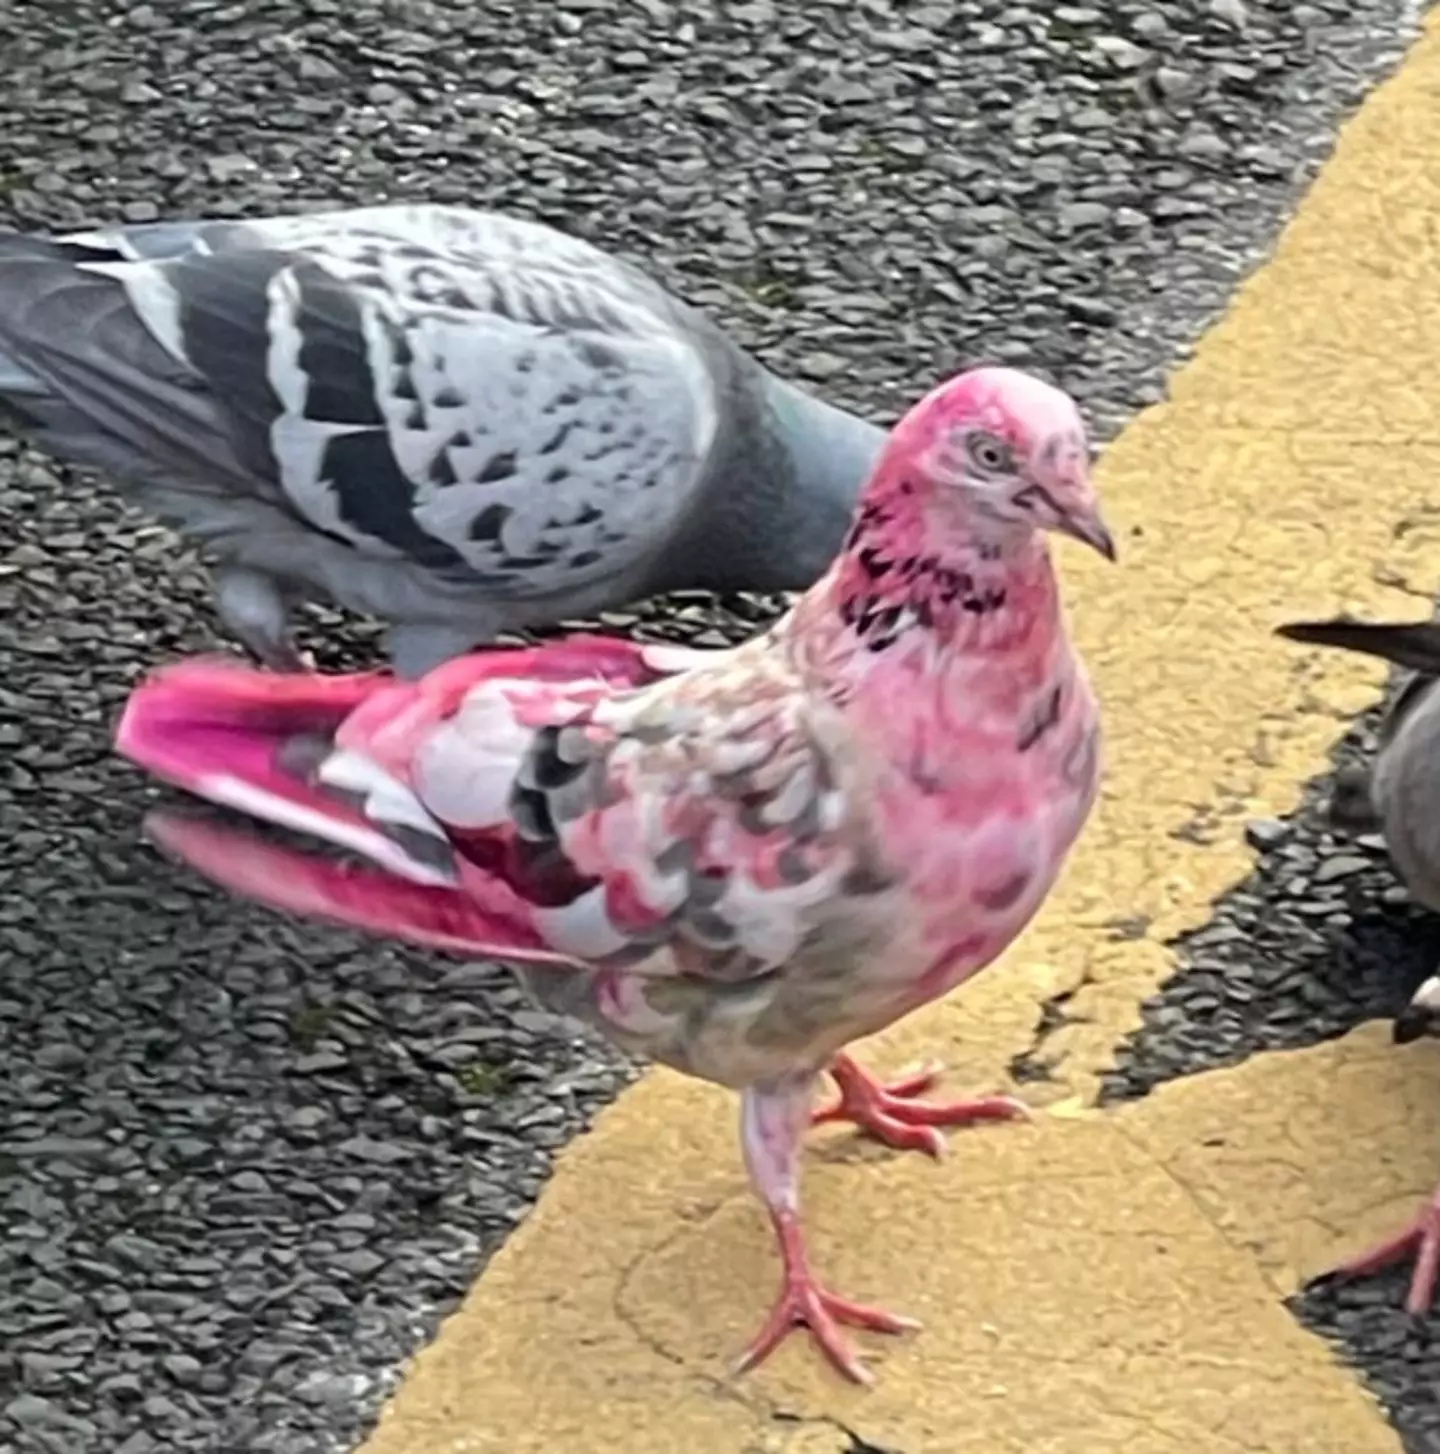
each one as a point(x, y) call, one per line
point(893, 1115)
point(772, 1125)
point(1420, 1240)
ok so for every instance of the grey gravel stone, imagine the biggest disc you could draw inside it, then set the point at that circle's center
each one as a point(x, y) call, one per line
point(1342, 865)
point(1266, 832)
point(208, 1113)
point(29, 1410)
point(182, 1367)
point(1232, 12)
point(1077, 215)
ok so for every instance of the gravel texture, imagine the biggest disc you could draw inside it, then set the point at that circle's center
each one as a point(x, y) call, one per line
point(245, 1166)
point(1319, 937)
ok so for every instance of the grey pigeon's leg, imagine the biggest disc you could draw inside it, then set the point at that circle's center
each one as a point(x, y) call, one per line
point(252, 606)
point(416, 649)
point(1352, 806)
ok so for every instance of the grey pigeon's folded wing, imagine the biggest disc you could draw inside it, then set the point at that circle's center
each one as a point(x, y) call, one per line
point(483, 398)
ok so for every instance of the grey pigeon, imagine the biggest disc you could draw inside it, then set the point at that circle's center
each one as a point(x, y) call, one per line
point(456, 421)
point(1401, 795)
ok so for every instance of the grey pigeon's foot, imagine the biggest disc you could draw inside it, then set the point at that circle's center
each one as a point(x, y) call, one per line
point(253, 608)
point(417, 649)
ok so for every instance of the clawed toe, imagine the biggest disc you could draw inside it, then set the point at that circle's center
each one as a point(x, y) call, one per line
point(892, 1114)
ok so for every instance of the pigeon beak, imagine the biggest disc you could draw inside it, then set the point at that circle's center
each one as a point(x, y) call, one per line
point(1087, 527)
point(1421, 1016)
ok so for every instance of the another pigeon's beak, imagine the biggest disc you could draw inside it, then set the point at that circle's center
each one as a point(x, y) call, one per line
point(1086, 526)
point(1421, 1016)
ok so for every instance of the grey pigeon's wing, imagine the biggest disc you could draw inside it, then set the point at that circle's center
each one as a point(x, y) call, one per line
point(486, 398)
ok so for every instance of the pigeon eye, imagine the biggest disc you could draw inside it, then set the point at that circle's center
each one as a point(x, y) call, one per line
point(990, 454)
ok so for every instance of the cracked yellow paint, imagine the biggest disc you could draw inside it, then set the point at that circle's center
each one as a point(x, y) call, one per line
point(1096, 1281)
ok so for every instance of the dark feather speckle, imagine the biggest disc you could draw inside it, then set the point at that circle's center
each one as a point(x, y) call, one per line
point(497, 467)
point(546, 767)
point(489, 522)
point(532, 815)
point(1044, 720)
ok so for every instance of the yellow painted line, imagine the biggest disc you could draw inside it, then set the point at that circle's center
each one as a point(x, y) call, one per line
point(1095, 1281)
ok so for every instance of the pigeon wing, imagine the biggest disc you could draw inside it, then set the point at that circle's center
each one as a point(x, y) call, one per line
point(488, 399)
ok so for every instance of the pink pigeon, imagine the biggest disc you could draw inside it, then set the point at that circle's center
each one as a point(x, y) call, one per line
point(734, 862)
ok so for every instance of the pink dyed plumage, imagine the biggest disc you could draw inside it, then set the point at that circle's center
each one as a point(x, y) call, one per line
point(734, 862)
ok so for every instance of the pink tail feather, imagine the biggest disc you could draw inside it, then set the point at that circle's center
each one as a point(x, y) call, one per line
point(357, 898)
point(219, 729)
point(219, 691)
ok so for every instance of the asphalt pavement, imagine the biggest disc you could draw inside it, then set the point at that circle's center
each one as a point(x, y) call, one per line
point(246, 1166)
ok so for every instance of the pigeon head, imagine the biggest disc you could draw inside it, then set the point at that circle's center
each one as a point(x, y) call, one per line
point(1001, 448)
point(948, 536)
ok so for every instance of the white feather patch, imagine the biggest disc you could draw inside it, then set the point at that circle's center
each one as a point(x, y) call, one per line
point(790, 801)
point(681, 658)
point(737, 754)
point(282, 361)
point(830, 810)
point(232, 792)
point(386, 799)
point(582, 927)
point(155, 301)
point(464, 771)
point(774, 919)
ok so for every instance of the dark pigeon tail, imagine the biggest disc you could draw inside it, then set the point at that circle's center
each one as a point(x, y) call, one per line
point(26, 247)
point(82, 372)
point(1414, 644)
point(16, 381)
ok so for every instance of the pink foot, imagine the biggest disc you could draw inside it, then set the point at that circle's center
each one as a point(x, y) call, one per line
point(893, 1115)
point(1420, 1240)
point(803, 1302)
